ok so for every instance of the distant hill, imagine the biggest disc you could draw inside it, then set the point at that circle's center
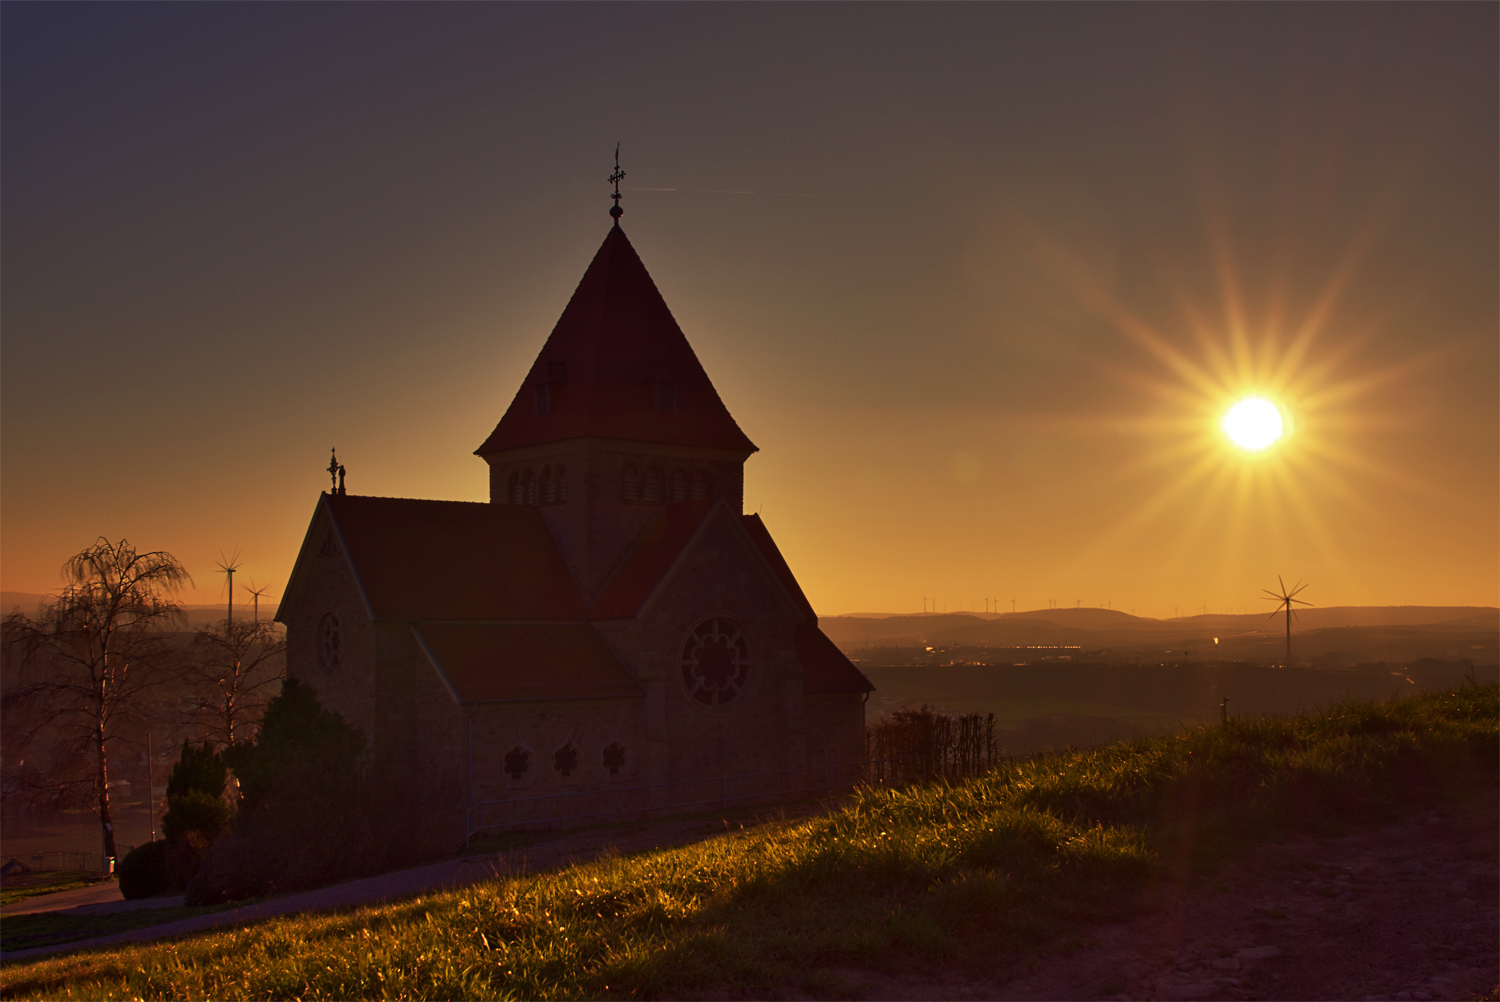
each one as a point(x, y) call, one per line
point(1474, 616)
point(1458, 616)
point(197, 615)
point(1345, 635)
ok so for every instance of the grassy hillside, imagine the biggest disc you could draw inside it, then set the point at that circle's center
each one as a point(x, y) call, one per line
point(986, 872)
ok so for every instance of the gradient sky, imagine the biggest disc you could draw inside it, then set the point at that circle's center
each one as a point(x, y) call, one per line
point(1003, 268)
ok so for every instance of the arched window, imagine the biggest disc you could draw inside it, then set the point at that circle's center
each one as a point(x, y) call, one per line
point(630, 485)
point(528, 485)
point(549, 489)
point(679, 491)
point(700, 486)
point(513, 489)
point(651, 489)
point(562, 485)
point(330, 642)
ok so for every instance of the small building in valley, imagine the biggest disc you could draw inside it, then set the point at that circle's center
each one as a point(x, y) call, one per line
point(609, 634)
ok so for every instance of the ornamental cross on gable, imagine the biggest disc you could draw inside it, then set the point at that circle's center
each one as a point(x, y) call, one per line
point(615, 179)
point(335, 474)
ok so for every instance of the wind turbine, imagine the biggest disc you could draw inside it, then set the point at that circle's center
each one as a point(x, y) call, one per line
point(229, 566)
point(255, 594)
point(1286, 598)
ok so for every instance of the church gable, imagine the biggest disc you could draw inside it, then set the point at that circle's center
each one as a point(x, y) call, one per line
point(322, 545)
point(666, 545)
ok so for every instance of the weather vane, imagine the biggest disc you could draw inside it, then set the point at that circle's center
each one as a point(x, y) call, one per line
point(335, 473)
point(616, 178)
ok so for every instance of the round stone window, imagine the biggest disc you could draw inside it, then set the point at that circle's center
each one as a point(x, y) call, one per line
point(330, 642)
point(716, 662)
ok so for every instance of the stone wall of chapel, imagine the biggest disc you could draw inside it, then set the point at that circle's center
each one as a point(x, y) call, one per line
point(508, 735)
point(835, 736)
point(595, 527)
point(326, 586)
point(763, 732)
point(419, 749)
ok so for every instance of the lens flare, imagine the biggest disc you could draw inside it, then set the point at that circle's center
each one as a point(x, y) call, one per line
point(1253, 424)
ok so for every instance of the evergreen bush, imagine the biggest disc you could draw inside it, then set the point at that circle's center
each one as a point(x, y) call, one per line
point(197, 814)
point(145, 871)
point(200, 768)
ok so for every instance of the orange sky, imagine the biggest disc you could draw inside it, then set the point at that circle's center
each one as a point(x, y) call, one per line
point(1002, 271)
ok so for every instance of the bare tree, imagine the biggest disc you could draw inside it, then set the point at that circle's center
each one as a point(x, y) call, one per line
point(89, 659)
point(235, 668)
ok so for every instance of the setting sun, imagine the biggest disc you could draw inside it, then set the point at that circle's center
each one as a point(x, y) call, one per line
point(1253, 423)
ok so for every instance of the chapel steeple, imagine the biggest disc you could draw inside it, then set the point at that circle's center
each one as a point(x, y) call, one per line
point(615, 419)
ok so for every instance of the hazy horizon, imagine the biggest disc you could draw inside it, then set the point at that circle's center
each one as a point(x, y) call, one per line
point(979, 281)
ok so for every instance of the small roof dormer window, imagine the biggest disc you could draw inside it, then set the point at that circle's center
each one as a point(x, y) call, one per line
point(551, 375)
point(663, 383)
point(666, 398)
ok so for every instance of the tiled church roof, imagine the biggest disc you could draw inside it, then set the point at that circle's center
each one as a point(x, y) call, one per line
point(768, 549)
point(824, 667)
point(491, 661)
point(500, 613)
point(649, 560)
point(455, 560)
point(614, 343)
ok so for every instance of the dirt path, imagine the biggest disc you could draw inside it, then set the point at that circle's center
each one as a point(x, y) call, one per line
point(1407, 911)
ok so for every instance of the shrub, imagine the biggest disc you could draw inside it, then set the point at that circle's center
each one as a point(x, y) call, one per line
point(195, 811)
point(195, 820)
point(197, 814)
point(144, 872)
point(237, 868)
point(304, 818)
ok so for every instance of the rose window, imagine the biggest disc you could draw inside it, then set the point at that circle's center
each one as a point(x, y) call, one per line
point(716, 663)
point(330, 642)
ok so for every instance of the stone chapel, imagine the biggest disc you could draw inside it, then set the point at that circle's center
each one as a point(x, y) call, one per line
point(609, 635)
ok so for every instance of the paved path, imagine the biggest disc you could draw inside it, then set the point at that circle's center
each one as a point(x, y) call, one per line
point(100, 893)
point(564, 850)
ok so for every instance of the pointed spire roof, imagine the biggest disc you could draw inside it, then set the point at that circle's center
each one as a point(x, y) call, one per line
point(614, 346)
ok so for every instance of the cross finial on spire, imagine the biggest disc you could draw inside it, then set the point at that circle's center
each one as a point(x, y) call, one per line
point(335, 473)
point(615, 210)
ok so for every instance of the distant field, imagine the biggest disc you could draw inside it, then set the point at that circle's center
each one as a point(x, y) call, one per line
point(1055, 704)
point(74, 831)
point(1332, 637)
